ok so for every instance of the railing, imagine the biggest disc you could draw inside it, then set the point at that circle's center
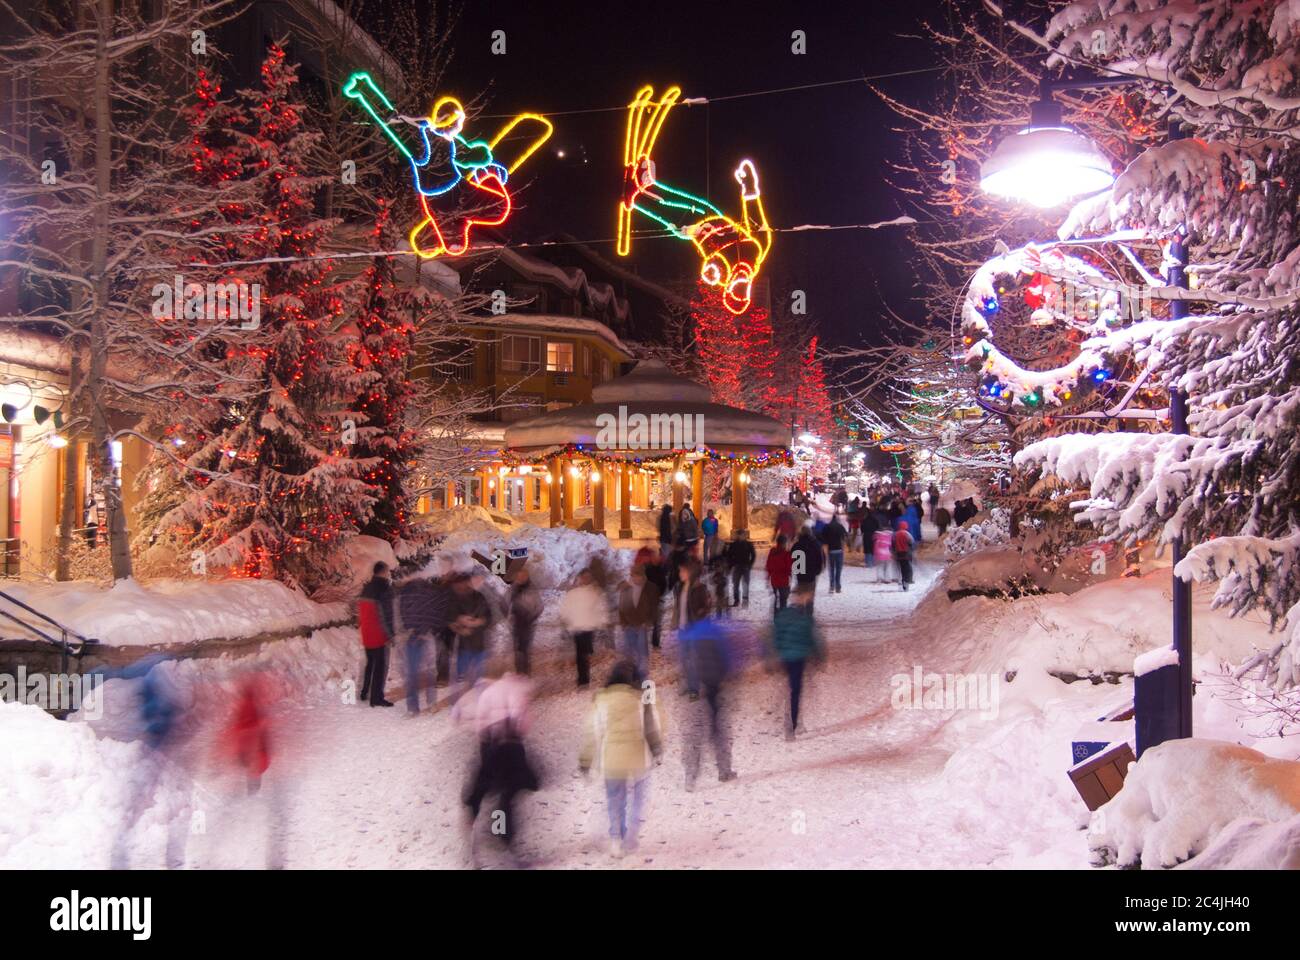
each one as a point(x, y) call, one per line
point(69, 641)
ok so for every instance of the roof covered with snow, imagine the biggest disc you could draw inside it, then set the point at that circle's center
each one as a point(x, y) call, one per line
point(647, 412)
point(554, 322)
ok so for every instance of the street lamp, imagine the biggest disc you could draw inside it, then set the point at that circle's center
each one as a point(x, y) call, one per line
point(1045, 164)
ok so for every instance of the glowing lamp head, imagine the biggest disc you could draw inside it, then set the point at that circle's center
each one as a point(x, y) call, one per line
point(595, 476)
point(57, 441)
point(574, 472)
point(1046, 165)
point(680, 476)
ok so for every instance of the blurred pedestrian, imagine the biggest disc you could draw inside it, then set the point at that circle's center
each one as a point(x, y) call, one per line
point(638, 611)
point(795, 641)
point(833, 536)
point(656, 573)
point(583, 613)
point(913, 517)
point(808, 561)
point(869, 525)
point(247, 742)
point(665, 531)
point(688, 528)
point(375, 619)
point(740, 557)
point(715, 657)
point(623, 734)
point(942, 519)
point(883, 551)
point(779, 565)
point(471, 618)
point(525, 608)
point(160, 712)
point(903, 546)
point(709, 527)
point(498, 710)
point(423, 606)
point(692, 604)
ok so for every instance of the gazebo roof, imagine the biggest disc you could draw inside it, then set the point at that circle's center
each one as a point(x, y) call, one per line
point(631, 414)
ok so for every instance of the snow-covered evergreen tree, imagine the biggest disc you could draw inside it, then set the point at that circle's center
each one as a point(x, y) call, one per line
point(1231, 488)
point(278, 481)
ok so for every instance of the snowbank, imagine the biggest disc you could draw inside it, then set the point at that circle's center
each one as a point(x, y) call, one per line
point(63, 790)
point(129, 613)
point(556, 555)
point(1184, 793)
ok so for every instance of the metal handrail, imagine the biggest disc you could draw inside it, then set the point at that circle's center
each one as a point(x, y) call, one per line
point(69, 648)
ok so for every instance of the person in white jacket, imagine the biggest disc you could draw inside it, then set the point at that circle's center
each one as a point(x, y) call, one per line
point(583, 611)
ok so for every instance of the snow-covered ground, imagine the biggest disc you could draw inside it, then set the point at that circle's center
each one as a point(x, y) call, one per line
point(880, 778)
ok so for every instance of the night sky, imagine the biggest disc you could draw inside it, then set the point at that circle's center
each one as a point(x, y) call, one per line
point(821, 153)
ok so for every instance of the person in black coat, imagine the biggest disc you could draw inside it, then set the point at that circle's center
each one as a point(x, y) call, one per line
point(525, 608)
point(739, 556)
point(657, 574)
point(870, 524)
point(807, 552)
point(665, 530)
point(833, 536)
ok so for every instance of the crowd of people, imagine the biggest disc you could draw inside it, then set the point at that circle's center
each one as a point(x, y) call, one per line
point(685, 589)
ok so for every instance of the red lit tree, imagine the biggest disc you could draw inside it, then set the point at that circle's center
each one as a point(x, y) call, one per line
point(717, 344)
point(275, 482)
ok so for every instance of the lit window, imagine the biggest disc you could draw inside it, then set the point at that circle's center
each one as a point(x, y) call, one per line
point(559, 357)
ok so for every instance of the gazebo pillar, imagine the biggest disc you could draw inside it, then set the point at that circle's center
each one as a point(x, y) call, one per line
point(625, 501)
point(678, 488)
point(543, 489)
point(739, 500)
point(597, 499)
point(697, 487)
point(570, 489)
point(555, 494)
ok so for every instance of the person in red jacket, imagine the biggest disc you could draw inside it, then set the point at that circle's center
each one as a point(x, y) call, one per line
point(374, 615)
point(779, 564)
point(247, 743)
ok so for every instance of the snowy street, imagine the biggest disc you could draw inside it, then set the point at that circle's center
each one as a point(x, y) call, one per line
point(372, 788)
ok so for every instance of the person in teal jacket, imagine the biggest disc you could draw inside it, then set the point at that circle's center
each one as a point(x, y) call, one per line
point(795, 641)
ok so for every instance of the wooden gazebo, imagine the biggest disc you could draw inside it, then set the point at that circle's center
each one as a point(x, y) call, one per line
point(646, 426)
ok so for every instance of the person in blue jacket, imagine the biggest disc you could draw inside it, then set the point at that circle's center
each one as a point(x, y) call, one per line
point(913, 517)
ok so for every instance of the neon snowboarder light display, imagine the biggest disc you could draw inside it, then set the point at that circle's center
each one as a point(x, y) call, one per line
point(731, 252)
point(475, 165)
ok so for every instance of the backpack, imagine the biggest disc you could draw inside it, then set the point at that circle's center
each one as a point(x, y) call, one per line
point(902, 542)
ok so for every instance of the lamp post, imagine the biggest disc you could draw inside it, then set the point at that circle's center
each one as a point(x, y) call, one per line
point(1046, 164)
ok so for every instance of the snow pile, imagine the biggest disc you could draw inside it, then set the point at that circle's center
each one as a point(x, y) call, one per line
point(1247, 844)
point(363, 553)
point(63, 790)
point(1100, 630)
point(129, 613)
point(988, 531)
point(457, 519)
point(556, 555)
point(1183, 793)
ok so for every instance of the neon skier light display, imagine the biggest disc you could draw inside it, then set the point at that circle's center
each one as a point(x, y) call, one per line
point(474, 165)
point(731, 253)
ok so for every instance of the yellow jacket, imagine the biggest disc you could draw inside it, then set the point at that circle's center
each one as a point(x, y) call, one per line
point(623, 732)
